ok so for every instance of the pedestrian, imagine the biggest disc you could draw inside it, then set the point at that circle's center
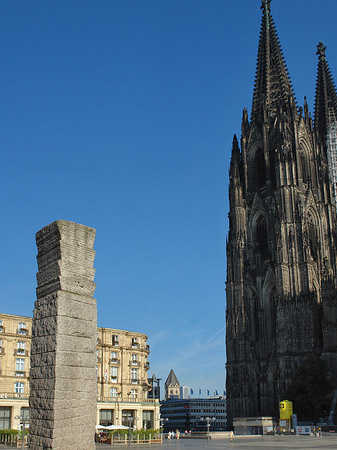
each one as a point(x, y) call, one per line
point(231, 434)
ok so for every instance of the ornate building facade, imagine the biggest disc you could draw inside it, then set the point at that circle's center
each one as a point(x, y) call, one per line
point(281, 248)
point(122, 382)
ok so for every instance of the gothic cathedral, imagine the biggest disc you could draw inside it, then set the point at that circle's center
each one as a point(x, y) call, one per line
point(282, 242)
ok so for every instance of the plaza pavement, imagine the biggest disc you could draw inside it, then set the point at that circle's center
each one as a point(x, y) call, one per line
point(242, 443)
point(239, 443)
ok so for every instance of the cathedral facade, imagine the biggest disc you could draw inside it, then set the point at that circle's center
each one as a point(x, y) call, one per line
point(282, 243)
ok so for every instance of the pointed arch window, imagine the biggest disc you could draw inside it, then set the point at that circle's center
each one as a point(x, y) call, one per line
point(260, 171)
point(262, 236)
point(273, 313)
point(256, 319)
point(313, 241)
point(304, 168)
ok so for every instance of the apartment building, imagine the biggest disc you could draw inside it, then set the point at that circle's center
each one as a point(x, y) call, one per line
point(122, 381)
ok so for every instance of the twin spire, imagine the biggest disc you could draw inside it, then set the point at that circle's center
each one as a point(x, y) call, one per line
point(272, 81)
point(326, 98)
point(273, 88)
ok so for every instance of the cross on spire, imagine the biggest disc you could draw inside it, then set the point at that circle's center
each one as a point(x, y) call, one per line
point(321, 50)
point(266, 7)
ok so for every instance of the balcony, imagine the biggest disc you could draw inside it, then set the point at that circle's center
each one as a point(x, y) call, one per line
point(23, 331)
point(128, 400)
point(147, 365)
point(113, 379)
point(134, 363)
point(134, 381)
point(115, 361)
point(20, 373)
point(147, 348)
point(20, 352)
point(134, 345)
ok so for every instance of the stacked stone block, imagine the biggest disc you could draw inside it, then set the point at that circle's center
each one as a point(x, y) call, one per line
point(64, 334)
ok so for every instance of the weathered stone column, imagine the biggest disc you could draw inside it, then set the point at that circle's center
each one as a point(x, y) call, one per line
point(63, 384)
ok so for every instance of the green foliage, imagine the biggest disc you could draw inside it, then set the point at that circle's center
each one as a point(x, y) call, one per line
point(11, 432)
point(310, 391)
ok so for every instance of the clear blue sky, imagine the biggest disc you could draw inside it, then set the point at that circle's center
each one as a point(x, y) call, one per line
point(119, 114)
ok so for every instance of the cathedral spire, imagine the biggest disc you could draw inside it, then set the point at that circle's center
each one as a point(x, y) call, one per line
point(272, 82)
point(326, 98)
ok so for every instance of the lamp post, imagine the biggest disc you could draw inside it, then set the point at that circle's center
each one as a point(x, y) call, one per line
point(131, 420)
point(23, 428)
point(208, 419)
point(162, 420)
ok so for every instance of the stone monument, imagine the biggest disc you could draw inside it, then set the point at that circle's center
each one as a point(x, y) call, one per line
point(63, 353)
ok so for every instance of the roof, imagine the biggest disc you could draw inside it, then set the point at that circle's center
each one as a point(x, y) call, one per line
point(172, 380)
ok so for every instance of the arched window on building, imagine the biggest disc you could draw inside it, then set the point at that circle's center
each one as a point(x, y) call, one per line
point(304, 168)
point(260, 170)
point(261, 236)
point(256, 319)
point(273, 313)
point(313, 240)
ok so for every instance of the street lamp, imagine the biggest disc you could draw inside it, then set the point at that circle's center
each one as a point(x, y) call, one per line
point(23, 429)
point(208, 419)
point(162, 420)
point(131, 420)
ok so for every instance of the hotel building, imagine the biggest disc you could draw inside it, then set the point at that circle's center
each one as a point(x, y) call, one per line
point(122, 381)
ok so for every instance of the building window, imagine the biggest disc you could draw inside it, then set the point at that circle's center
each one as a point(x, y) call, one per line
point(21, 348)
point(313, 244)
point(1, 326)
point(105, 417)
point(24, 416)
point(20, 367)
point(5, 417)
point(134, 359)
point(127, 417)
point(114, 357)
point(134, 376)
point(113, 392)
point(262, 236)
point(133, 394)
point(134, 343)
point(260, 169)
point(148, 420)
point(22, 328)
point(114, 374)
point(115, 340)
point(19, 388)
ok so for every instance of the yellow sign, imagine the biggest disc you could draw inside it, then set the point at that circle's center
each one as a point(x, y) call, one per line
point(286, 410)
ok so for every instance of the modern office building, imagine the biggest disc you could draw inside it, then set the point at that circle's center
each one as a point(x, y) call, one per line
point(192, 414)
point(122, 381)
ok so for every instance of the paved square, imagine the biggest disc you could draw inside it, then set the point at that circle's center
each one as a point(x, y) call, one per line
point(242, 443)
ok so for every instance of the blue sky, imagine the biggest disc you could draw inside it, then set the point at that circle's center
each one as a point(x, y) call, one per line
point(119, 115)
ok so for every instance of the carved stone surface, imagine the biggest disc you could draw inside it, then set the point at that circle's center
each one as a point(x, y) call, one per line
point(63, 352)
point(281, 250)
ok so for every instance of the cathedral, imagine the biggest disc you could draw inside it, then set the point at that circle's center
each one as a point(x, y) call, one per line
point(281, 288)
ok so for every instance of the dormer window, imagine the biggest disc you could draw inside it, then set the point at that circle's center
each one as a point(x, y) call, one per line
point(134, 343)
point(115, 340)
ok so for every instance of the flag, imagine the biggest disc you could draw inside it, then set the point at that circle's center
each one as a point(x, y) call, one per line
point(216, 393)
point(199, 391)
point(207, 392)
point(106, 375)
point(191, 391)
